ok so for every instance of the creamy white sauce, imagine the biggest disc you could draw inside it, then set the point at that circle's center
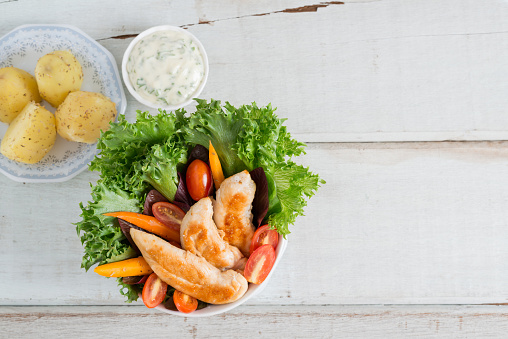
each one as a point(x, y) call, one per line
point(166, 67)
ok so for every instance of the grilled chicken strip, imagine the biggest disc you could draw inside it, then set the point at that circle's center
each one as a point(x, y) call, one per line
point(233, 210)
point(189, 273)
point(199, 235)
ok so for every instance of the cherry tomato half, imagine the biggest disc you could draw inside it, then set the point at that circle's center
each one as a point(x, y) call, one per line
point(260, 264)
point(198, 179)
point(264, 236)
point(168, 214)
point(185, 303)
point(154, 291)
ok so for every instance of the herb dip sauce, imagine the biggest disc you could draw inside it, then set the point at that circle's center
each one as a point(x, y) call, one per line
point(166, 67)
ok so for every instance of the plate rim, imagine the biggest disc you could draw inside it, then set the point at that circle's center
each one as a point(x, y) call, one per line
point(122, 106)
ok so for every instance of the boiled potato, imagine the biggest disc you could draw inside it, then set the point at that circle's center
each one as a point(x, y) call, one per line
point(30, 136)
point(17, 88)
point(83, 115)
point(57, 74)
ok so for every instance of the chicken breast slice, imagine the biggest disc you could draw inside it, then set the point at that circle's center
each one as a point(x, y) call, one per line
point(233, 210)
point(199, 235)
point(189, 273)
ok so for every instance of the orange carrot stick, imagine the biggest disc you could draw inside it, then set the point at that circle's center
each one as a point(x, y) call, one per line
point(215, 166)
point(124, 268)
point(148, 223)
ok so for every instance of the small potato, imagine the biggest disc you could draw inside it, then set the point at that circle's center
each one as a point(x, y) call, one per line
point(58, 74)
point(30, 136)
point(83, 115)
point(17, 88)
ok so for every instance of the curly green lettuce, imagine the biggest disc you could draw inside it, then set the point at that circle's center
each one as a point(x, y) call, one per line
point(101, 237)
point(131, 292)
point(130, 152)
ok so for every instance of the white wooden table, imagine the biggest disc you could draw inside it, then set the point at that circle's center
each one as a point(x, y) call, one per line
point(404, 106)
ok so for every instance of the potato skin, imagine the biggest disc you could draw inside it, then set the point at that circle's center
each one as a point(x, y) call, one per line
point(58, 74)
point(17, 88)
point(83, 115)
point(30, 136)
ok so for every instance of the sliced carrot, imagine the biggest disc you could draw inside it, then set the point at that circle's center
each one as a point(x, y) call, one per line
point(215, 166)
point(149, 224)
point(124, 268)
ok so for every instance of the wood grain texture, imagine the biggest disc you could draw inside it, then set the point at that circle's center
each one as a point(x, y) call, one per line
point(258, 321)
point(377, 71)
point(410, 223)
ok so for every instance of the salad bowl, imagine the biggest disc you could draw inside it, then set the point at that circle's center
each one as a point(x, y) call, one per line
point(154, 153)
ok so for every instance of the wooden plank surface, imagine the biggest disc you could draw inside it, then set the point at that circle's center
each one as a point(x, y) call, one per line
point(376, 71)
point(411, 223)
point(259, 321)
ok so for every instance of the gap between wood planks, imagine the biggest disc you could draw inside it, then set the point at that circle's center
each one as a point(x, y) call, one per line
point(390, 306)
point(301, 9)
point(281, 311)
point(410, 309)
point(448, 144)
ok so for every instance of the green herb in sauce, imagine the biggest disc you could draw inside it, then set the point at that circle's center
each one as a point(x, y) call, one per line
point(166, 67)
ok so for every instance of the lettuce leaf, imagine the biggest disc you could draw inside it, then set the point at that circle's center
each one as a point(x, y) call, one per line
point(219, 125)
point(128, 151)
point(101, 236)
point(264, 140)
point(129, 291)
point(293, 184)
point(160, 168)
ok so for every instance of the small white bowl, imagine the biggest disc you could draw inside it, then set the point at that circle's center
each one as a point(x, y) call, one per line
point(252, 291)
point(127, 81)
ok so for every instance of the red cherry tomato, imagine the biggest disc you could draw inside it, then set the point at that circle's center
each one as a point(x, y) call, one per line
point(185, 303)
point(260, 263)
point(168, 214)
point(264, 236)
point(198, 179)
point(154, 291)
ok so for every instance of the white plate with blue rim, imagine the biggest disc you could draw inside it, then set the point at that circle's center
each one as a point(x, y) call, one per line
point(22, 48)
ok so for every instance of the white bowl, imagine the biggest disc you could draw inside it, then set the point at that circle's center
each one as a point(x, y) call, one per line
point(252, 291)
point(127, 81)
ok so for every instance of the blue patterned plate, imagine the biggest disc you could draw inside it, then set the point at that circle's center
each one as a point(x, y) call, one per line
point(22, 48)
